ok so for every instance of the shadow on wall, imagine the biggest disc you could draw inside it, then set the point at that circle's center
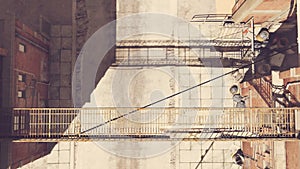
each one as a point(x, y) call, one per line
point(281, 52)
point(13, 155)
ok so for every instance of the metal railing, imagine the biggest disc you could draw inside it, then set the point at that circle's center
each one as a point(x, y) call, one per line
point(237, 42)
point(264, 89)
point(173, 56)
point(169, 123)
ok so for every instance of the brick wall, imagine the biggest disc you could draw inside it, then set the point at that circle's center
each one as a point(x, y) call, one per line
point(31, 68)
point(31, 85)
point(287, 154)
point(292, 77)
point(253, 97)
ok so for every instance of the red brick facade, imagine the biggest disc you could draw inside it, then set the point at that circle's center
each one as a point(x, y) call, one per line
point(31, 52)
point(291, 79)
point(31, 68)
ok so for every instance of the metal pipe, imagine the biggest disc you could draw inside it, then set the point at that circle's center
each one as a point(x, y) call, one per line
point(252, 44)
point(292, 84)
point(49, 123)
point(25, 72)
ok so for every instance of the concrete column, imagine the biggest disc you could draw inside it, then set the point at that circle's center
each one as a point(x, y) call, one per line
point(61, 50)
point(279, 155)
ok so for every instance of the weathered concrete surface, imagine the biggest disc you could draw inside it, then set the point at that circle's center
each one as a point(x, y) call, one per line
point(60, 66)
point(139, 86)
point(100, 13)
point(184, 155)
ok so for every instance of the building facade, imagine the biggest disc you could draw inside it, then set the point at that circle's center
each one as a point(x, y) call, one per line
point(274, 82)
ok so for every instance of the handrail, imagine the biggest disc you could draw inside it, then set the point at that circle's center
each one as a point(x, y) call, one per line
point(171, 123)
point(264, 89)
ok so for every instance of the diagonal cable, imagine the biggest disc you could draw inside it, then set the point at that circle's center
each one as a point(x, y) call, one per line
point(205, 153)
point(183, 91)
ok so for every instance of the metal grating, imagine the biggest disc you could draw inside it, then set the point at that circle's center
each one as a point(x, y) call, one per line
point(153, 123)
point(211, 18)
point(185, 43)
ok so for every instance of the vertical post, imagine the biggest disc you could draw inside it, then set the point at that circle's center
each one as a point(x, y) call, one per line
point(147, 56)
point(166, 58)
point(185, 56)
point(250, 97)
point(251, 119)
point(242, 51)
point(252, 44)
point(128, 56)
point(49, 123)
point(296, 120)
point(110, 126)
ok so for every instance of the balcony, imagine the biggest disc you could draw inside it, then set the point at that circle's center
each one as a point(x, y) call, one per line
point(86, 124)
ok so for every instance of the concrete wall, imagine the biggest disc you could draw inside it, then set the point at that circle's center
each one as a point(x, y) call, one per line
point(213, 94)
point(137, 86)
point(101, 13)
point(61, 66)
point(182, 155)
point(63, 57)
point(141, 86)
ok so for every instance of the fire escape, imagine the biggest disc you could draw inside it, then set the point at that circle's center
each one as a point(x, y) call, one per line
point(82, 124)
point(230, 44)
point(275, 56)
point(273, 94)
point(87, 124)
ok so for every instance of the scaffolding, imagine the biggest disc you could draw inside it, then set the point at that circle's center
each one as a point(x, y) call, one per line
point(178, 53)
point(230, 42)
point(153, 123)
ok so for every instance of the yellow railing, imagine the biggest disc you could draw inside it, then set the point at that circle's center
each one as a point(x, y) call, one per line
point(173, 123)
